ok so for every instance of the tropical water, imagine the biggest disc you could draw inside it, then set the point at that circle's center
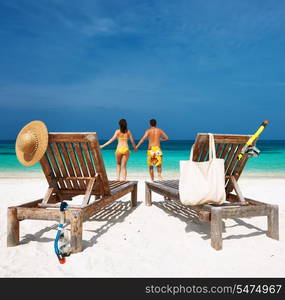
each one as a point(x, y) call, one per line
point(271, 161)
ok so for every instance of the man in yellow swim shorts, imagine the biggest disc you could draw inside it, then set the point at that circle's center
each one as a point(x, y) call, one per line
point(154, 153)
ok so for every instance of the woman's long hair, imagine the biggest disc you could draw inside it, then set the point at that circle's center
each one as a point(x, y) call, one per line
point(123, 125)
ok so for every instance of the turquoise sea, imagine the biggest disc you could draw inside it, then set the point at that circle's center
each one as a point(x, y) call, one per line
point(271, 161)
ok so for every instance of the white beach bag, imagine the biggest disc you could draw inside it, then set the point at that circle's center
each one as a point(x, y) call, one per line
point(202, 182)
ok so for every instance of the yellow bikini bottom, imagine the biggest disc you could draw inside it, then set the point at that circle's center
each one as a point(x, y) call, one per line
point(122, 150)
point(154, 156)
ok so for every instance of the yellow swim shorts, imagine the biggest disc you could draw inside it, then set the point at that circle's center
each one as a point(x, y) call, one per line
point(122, 150)
point(154, 156)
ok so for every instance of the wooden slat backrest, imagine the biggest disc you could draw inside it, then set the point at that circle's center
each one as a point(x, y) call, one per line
point(71, 160)
point(228, 147)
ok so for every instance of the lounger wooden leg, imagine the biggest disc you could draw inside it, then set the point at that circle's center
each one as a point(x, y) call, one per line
point(134, 196)
point(148, 201)
point(76, 227)
point(216, 228)
point(273, 222)
point(13, 228)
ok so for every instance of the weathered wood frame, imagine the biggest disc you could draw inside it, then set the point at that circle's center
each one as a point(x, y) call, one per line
point(237, 206)
point(76, 169)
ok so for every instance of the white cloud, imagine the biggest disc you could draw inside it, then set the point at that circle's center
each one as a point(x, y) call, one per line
point(105, 26)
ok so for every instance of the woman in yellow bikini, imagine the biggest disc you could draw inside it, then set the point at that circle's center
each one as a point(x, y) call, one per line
point(122, 152)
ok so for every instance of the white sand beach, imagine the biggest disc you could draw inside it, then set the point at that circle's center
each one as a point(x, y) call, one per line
point(157, 241)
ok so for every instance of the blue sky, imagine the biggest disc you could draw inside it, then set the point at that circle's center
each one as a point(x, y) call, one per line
point(196, 66)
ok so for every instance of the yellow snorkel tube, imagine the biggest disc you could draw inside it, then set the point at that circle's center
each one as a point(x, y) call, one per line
point(252, 139)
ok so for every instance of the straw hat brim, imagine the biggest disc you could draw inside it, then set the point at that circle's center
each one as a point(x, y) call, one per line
point(41, 131)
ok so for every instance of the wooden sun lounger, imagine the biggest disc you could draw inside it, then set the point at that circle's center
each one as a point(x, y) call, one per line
point(73, 165)
point(236, 206)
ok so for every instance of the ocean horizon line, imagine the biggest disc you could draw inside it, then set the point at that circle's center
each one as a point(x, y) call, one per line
point(271, 158)
point(170, 140)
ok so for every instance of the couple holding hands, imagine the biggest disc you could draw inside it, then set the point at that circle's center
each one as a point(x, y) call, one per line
point(154, 153)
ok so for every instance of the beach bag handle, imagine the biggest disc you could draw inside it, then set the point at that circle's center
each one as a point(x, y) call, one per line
point(212, 148)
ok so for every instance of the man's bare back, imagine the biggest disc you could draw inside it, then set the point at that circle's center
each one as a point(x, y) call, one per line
point(154, 136)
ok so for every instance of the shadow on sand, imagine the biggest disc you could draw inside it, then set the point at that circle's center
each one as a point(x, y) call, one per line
point(38, 235)
point(113, 213)
point(185, 214)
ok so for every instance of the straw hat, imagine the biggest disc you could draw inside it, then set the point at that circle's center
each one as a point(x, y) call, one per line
point(31, 143)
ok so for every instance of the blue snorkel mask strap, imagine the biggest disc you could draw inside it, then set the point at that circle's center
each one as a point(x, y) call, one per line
point(59, 253)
